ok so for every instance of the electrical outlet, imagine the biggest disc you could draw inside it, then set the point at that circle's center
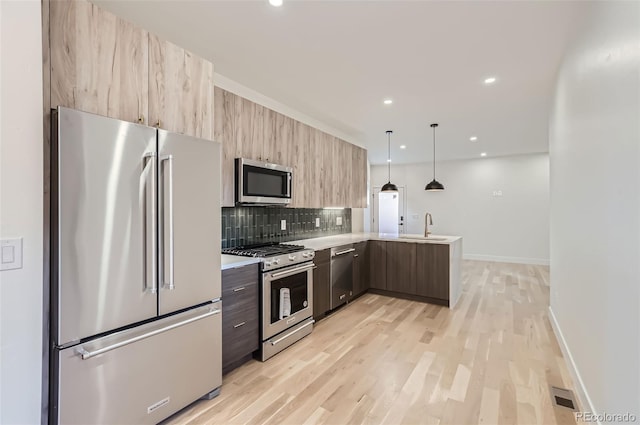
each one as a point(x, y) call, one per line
point(338, 221)
point(283, 224)
point(317, 221)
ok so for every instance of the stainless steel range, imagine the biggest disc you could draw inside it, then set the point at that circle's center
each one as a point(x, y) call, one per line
point(286, 294)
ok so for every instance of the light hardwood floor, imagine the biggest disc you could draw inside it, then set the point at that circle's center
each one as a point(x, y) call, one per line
point(382, 360)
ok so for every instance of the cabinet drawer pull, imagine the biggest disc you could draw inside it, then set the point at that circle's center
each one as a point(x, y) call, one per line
point(239, 324)
point(242, 288)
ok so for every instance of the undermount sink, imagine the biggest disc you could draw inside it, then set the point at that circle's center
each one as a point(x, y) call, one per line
point(422, 238)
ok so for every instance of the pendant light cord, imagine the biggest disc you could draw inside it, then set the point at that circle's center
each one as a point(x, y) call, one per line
point(389, 156)
point(434, 152)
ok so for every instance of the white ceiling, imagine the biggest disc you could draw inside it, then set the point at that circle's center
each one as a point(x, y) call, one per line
point(337, 60)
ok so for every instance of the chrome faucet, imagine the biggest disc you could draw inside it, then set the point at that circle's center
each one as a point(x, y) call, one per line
point(427, 221)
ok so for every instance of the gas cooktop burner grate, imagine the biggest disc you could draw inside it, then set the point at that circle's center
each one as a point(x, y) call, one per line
point(263, 250)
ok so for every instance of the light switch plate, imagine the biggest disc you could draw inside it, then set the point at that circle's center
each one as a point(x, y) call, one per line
point(317, 221)
point(338, 221)
point(11, 254)
point(283, 224)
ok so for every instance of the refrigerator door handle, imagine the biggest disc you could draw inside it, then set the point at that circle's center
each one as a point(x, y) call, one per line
point(148, 178)
point(168, 281)
point(86, 354)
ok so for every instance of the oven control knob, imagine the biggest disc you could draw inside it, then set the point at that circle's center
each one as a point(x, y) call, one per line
point(276, 261)
point(305, 255)
point(267, 263)
point(292, 258)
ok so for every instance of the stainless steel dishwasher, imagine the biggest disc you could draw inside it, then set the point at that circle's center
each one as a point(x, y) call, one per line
point(341, 275)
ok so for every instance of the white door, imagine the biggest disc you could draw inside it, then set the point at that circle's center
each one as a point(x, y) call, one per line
point(375, 209)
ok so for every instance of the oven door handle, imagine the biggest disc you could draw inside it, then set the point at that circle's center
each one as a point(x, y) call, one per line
point(292, 271)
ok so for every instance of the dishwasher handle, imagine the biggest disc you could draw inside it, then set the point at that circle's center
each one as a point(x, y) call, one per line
point(346, 251)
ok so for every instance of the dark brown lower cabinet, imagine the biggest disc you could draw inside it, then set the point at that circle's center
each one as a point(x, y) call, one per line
point(401, 267)
point(360, 268)
point(433, 271)
point(321, 283)
point(240, 320)
point(378, 264)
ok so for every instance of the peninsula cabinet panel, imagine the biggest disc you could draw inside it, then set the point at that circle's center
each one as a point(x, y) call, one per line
point(360, 268)
point(180, 90)
point(378, 264)
point(432, 269)
point(401, 267)
point(225, 133)
point(99, 62)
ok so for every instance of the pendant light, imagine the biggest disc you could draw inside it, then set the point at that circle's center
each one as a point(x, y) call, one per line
point(434, 185)
point(389, 187)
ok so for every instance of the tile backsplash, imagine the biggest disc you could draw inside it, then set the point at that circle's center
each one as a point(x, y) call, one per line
point(252, 225)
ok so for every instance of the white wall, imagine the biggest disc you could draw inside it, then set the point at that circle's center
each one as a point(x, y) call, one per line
point(21, 210)
point(595, 207)
point(513, 227)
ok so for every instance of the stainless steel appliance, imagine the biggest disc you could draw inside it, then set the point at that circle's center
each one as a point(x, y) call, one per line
point(135, 301)
point(341, 275)
point(262, 183)
point(286, 294)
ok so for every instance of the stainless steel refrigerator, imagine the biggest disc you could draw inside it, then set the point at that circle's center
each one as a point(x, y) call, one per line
point(135, 270)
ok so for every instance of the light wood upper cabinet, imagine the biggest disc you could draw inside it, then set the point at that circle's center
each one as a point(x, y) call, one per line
point(301, 158)
point(180, 90)
point(225, 133)
point(323, 165)
point(99, 62)
point(314, 179)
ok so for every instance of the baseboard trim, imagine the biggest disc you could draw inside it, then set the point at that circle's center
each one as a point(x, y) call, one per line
point(581, 391)
point(516, 260)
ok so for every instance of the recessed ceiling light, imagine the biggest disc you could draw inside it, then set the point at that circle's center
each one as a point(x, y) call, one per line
point(473, 138)
point(276, 3)
point(388, 101)
point(403, 146)
point(483, 154)
point(490, 80)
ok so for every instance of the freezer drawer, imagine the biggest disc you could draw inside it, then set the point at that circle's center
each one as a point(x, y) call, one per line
point(142, 375)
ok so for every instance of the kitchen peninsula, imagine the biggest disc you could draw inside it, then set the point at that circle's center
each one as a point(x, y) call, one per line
point(406, 266)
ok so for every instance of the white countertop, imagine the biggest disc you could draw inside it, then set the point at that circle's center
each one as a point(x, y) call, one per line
point(327, 242)
point(232, 261)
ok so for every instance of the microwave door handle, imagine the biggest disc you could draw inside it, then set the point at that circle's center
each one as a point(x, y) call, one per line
point(289, 185)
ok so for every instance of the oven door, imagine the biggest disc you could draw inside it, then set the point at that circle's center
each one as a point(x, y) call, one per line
point(278, 313)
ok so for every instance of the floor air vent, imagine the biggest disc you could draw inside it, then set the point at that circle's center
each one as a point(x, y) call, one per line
point(563, 397)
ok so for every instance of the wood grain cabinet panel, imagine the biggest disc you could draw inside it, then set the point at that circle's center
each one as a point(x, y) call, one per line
point(240, 319)
point(315, 180)
point(378, 264)
point(401, 267)
point(360, 268)
point(432, 271)
point(301, 159)
point(180, 90)
point(322, 284)
point(225, 133)
point(329, 192)
point(250, 128)
point(99, 62)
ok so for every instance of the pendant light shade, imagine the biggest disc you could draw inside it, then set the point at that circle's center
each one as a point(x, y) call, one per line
point(434, 185)
point(389, 187)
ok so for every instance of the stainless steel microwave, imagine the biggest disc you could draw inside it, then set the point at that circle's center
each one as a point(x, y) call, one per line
point(262, 183)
